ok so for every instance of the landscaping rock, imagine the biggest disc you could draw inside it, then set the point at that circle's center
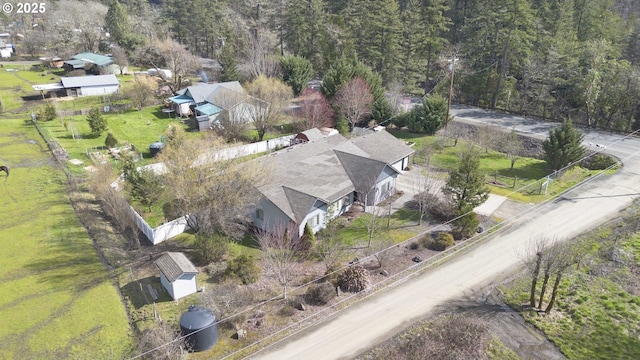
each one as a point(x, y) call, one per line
point(300, 306)
point(241, 334)
point(384, 273)
point(416, 259)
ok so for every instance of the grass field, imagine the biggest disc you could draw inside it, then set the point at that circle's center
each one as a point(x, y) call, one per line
point(56, 299)
point(598, 311)
point(522, 183)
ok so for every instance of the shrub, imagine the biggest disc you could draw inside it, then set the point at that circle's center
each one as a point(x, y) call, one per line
point(442, 210)
point(426, 240)
point(320, 294)
point(331, 275)
point(287, 310)
point(414, 245)
point(466, 226)
point(48, 112)
point(598, 162)
point(211, 248)
point(307, 240)
point(244, 268)
point(442, 241)
point(97, 122)
point(110, 141)
point(354, 279)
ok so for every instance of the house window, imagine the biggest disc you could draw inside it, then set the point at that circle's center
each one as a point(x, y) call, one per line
point(314, 221)
point(259, 214)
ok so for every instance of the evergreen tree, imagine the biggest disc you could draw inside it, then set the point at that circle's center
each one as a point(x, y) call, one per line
point(228, 62)
point(97, 122)
point(466, 185)
point(429, 117)
point(341, 72)
point(376, 29)
point(110, 141)
point(466, 223)
point(117, 23)
point(296, 72)
point(563, 146)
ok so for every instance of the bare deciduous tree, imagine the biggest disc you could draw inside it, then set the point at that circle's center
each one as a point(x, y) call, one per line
point(278, 253)
point(353, 101)
point(261, 59)
point(162, 342)
point(426, 189)
point(315, 111)
point(213, 191)
point(268, 111)
point(485, 136)
point(532, 260)
point(176, 58)
point(457, 131)
point(329, 248)
point(114, 204)
point(143, 91)
point(512, 147)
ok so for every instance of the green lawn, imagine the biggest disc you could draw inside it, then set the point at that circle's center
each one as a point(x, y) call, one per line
point(597, 314)
point(140, 128)
point(56, 299)
point(527, 175)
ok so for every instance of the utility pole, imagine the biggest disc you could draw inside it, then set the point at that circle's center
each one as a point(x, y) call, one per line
point(453, 70)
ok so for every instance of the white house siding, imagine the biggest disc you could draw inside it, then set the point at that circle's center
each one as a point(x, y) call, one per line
point(184, 285)
point(273, 220)
point(339, 207)
point(316, 218)
point(97, 90)
point(401, 164)
point(167, 285)
point(385, 184)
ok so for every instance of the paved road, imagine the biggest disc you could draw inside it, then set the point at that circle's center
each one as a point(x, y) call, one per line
point(372, 321)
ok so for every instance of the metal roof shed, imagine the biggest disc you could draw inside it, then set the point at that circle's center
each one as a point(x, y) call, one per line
point(91, 85)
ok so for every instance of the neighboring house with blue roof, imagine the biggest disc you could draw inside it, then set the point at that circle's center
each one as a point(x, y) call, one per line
point(319, 179)
point(206, 103)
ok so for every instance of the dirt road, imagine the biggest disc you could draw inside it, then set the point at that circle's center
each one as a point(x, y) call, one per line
point(368, 323)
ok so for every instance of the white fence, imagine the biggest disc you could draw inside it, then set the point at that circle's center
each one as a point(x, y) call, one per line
point(163, 232)
point(178, 226)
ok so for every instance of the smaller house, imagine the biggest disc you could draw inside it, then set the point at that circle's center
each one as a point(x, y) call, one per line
point(207, 103)
point(177, 274)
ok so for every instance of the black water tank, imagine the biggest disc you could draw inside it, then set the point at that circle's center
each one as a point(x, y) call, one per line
point(155, 148)
point(199, 327)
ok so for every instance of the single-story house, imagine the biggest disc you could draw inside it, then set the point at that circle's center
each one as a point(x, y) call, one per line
point(318, 180)
point(90, 85)
point(207, 102)
point(177, 274)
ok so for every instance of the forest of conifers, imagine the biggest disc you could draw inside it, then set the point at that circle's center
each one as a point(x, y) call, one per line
point(561, 59)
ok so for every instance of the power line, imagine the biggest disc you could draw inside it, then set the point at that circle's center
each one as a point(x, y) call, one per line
point(414, 267)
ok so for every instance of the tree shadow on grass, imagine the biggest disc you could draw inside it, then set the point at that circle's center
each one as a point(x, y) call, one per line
point(138, 293)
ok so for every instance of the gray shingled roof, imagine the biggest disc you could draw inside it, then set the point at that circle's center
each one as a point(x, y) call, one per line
point(313, 134)
point(326, 169)
point(175, 264)
point(225, 98)
point(382, 146)
point(200, 91)
point(362, 171)
point(90, 80)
